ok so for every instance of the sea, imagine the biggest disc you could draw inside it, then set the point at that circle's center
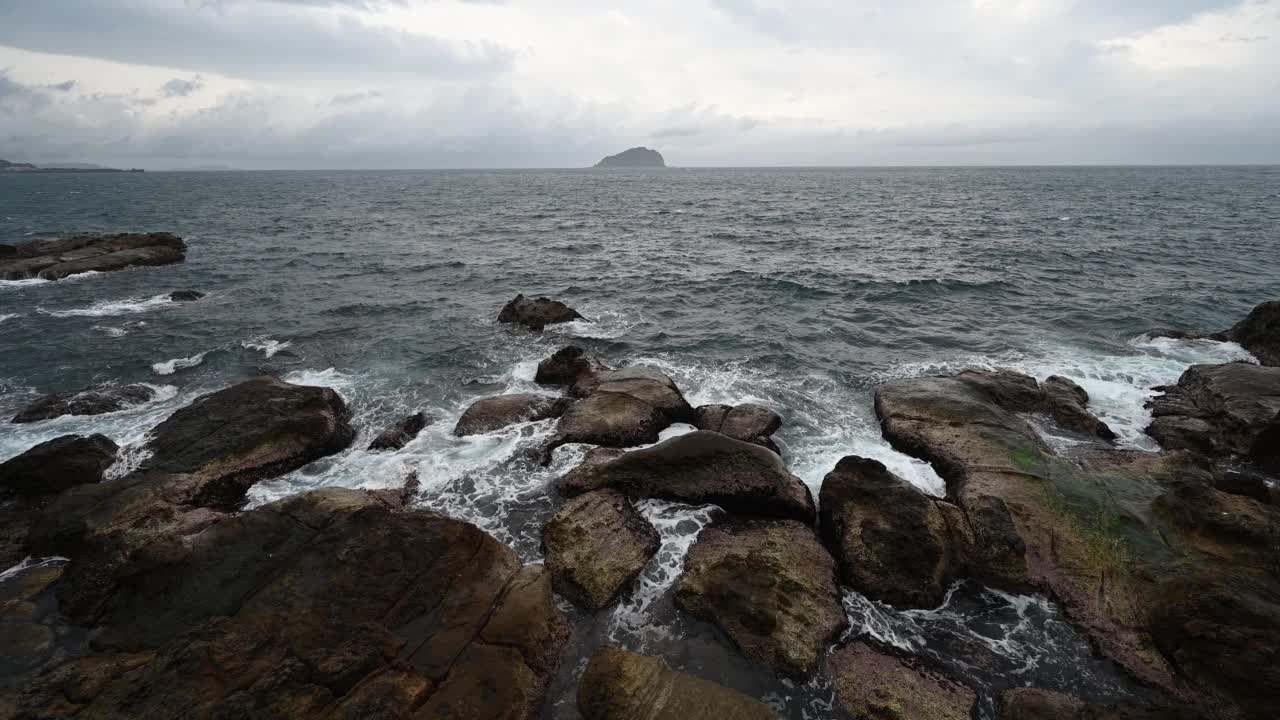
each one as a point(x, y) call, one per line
point(800, 289)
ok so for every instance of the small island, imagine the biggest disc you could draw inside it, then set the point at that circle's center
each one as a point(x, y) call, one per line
point(635, 157)
point(17, 167)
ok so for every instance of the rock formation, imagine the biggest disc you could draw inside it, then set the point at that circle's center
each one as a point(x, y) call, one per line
point(58, 464)
point(621, 685)
point(871, 684)
point(537, 314)
point(747, 422)
point(595, 546)
point(494, 413)
point(401, 433)
point(95, 400)
point(635, 157)
point(58, 258)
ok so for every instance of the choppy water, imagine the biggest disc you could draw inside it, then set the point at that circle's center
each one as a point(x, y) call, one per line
point(799, 289)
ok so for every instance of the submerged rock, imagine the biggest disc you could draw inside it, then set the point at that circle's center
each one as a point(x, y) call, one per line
point(537, 314)
point(330, 605)
point(401, 433)
point(891, 541)
point(871, 684)
point(621, 685)
point(747, 422)
point(701, 467)
point(771, 586)
point(185, 295)
point(596, 546)
point(96, 400)
point(58, 464)
point(494, 413)
point(57, 258)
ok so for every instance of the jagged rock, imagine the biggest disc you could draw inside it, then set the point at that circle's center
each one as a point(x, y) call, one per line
point(701, 467)
point(771, 586)
point(537, 314)
point(58, 464)
point(747, 422)
point(1259, 333)
point(621, 685)
point(1065, 401)
point(595, 546)
point(494, 413)
point(622, 408)
point(328, 604)
point(185, 295)
point(1217, 410)
point(57, 258)
point(401, 433)
point(95, 400)
point(569, 367)
point(890, 541)
point(871, 684)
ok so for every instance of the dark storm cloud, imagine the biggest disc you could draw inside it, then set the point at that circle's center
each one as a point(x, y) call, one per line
point(247, 40)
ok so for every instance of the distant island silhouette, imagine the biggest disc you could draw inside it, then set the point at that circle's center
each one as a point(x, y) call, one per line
point(635, 157)
point(16, 167)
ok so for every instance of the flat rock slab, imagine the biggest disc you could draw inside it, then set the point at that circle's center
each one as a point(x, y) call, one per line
point(701, 467)
point(96, 400)
point(770, 586)
point(622, 685)
point(494, 413)
point(871, 684)
point(538, 313)
point(595, 546)
point(57, 258)
point(58, 464)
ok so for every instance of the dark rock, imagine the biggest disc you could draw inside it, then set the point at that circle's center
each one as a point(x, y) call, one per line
point(595, 546)
point(402, 433)
point(95, 400)
point(1266, 448)
point(891, 541)
point(327, 604)
point(621, 685)
point(58, 464)
point(1036, 704)
point(701, 467)
point(569, 367)
point(185, 295)
point(1259, 333)
point(1217, 410)
point(622, 408)
point(27, 630)
point(1244, 483)
point(635, 157)
point(537, 314)
point(871, 684)
point(771, 586)
point(494, 413)
point(1065, 402)
point(58, 258)
point(747, 422)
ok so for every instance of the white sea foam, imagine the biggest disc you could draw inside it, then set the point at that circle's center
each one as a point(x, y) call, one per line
point(169, 367)
point(114, 332)
point(330, 378)
point(107, 308)
point(30, 563)
point(266, 346)
point(8, 316)
point(24, 282)
point(602, 324)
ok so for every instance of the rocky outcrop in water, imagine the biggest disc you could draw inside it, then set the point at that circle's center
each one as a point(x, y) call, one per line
point(621, 685)
point(871, 684)
point(1065, 402)
point(747, 422)
point(700, 467)
point(96, 400)
point(537, 314)
point(595, 547)
point(770, 586)
point(635, 157)
point(494, 413)
point(1219, 410)
point(622, 408)
point(1259, 333)
point(401, 433)
point(185, 295)
point(58, 464)
point(570, 367)
point(58, 258)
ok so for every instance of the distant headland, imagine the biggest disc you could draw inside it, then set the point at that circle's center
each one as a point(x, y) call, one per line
point(13, 167)
point(635, 157)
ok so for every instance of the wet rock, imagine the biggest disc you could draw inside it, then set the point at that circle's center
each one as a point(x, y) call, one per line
point(1065, 402)
point(1231, 530)
point(58, 464)
point(96, 400)
point(622, 408)
point(621, 685)
point(1247, 484)
point(1266, 448)
point(1036, 704)
point(537, 314)
point(891, 541)
point(326, 604)
point(494, 413)
point(871, 684)
point(185, 295)
point(747, 422)
point(1259, 333)
point(401, 433)
point(596, 546)
point(1217, 410)
point(570, 367)
point(26, 630)
point(57, 258)
point(701, 467)
point(771, 586)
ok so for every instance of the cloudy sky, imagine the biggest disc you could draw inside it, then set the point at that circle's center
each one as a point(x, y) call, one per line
point(554, 83)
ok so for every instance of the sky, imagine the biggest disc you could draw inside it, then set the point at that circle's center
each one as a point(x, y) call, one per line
point(282, 84)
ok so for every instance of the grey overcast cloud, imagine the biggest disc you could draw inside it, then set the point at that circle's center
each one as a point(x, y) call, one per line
point(445, 83)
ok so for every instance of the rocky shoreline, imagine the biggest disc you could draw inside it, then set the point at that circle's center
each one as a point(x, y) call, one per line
point(58, 258)
point(173, 601)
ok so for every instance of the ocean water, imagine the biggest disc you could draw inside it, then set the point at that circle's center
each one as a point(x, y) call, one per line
point(801, 289)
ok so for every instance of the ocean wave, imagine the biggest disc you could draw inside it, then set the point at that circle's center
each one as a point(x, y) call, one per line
point(169, 367)
point(266, 346)
point(108, 308)
point(9, 316)
point(34, 281)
